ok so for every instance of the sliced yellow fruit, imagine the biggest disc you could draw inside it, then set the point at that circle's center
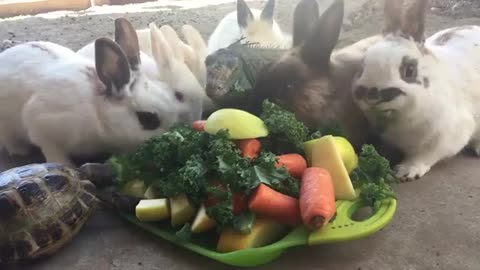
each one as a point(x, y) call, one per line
point(264, 232)
point(152, 210)
point(240, 124)
point(345, 148)
point(325, 154)
point(181, 210)
point(135, 188)
point(152, 193)
point(202, 222)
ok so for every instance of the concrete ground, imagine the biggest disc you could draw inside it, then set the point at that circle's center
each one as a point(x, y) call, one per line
point(436, 226)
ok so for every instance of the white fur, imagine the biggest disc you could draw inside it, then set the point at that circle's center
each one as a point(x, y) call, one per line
point(428, 123)
point(180, 77)
point(49, 98)
point(266, 34)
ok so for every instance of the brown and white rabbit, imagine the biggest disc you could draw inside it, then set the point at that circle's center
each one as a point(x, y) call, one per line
point(311, 79)
point(250, 25)
point(68, 105)
point(423, 95)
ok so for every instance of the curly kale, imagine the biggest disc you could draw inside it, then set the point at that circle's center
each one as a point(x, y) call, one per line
point(373, 176)
point(285, 130)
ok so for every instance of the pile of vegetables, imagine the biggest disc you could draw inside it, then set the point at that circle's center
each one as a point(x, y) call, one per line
point(250, 178)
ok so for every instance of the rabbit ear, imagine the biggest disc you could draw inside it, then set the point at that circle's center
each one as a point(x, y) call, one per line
point(112, 66)
point(161, 50)
point(392, 15)
point(414, 20)
point(268, 11)
point(174, 40)
point(127, 38)
point(304, 17)
point(319, 45)
point(244, 14)
point(195, 40)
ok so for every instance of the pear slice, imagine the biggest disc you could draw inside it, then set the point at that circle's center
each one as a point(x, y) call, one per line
point(240, 124)
point(152, 210)
point(182, 210)
point(325, 154)
point(135, 188)
point(202, 222)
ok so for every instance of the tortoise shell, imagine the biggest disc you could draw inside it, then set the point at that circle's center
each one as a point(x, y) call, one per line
point(42, 207)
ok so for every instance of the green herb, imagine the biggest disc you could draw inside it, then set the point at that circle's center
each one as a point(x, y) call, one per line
point(286, 131)
point(185, 233)
point(373, 176)
point(243, 223)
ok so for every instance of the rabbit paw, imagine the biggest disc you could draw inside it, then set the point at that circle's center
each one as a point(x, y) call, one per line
point(407, 172)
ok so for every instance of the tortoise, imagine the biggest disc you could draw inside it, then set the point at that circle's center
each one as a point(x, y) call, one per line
point(44, 205)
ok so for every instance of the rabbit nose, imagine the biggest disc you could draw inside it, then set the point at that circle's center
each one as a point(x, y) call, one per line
point(372, 93)
point(390, 94)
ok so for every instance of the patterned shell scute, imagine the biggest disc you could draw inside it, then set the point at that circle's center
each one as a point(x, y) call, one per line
point(41, 207)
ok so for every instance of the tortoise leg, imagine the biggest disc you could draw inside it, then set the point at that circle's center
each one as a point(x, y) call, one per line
point(99, 174)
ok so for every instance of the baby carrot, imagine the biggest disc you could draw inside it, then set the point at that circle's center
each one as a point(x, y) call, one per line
point(249, 147)
point(275, 205)
point(199, 125)
point(294, 163)
point(317, 198)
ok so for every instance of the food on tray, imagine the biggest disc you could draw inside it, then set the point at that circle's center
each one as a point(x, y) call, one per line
point(317, 198)
point(252, 188)
point(344, 147)
point(182, 210)
point(202, 222)
point(152, 210)
point(325, 154)
point(240, 124)
point(135, 188)
point(264, 231)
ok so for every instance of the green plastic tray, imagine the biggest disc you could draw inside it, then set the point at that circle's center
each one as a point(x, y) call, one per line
point(341, 229)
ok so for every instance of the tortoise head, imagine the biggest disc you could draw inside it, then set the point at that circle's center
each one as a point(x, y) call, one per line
point(100, 174)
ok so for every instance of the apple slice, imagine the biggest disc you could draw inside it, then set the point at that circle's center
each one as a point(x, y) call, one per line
point(325, 154)
point(182, 210)
point(345, 148)
point(202, 222)
point(240, 124)
point(152, 210)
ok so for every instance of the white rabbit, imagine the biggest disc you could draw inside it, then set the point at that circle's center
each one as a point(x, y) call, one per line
point(194, 55)
point(68, 105)
point(250, 25)
point(422, 95)
point(182, 82)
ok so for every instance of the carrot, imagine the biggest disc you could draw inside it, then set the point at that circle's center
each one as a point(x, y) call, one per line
point(249, 147)
point(294, 163)
point(317, 198)
point(199, 125)
point(275, 205)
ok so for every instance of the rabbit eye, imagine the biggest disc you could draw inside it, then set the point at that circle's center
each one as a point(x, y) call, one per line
point(148, 120)
point(179, 96)
point(408, 70)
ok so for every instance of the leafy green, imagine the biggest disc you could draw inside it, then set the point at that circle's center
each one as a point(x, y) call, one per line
point(284, 128)
point(373, 176)
point(243, 223)
point(185, 233)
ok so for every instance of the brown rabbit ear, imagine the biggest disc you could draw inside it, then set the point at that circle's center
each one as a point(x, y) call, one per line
point(414, 20)
point(392, 15)
point(268, 11)
point(319, 45)
point(244, 14)
point(112, 66)
point(126, 37)
point(304, 17)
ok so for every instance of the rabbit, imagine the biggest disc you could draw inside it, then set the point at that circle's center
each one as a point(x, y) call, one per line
point(69, 105)
point(250, 26)
point(312, 79)
point(422, 94)
point(194, 56)
point(174, 71)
